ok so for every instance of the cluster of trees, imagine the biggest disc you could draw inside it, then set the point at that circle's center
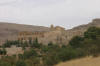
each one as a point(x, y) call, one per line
point(89, 43)
point(28, 54)
point(3, 51)
point(51, 54)
point(31, 43)
point(10, 43)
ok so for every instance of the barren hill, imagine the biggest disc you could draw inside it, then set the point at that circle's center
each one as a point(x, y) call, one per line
point(10, 30)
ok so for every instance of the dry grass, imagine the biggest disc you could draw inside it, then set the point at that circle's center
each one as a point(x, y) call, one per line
point(88, 61)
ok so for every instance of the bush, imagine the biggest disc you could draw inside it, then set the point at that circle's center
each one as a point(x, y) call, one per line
point(28, 54)
point(67, 54)
point(36, 44)
point(3, 63)
point(20, 63)
point(76, 42)
point(92, 33)
point(3, 51)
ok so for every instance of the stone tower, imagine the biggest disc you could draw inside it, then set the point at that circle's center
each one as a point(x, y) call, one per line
point(52, 27)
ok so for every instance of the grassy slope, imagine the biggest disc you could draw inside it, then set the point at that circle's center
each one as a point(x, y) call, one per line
point(88, 61)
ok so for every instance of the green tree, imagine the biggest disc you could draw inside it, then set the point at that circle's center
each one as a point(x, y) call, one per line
point(92, 33)
point(31, 53)
point(4, 51)
point(4, 63)
point(76, 42)
point(67, 54)
point(36, 43)
point(30, 40)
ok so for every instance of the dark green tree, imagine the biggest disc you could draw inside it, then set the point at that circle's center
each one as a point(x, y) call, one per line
point(36, 44)
point(30, 40)
point(92, 33)
point(76, 42)
point(31, 53)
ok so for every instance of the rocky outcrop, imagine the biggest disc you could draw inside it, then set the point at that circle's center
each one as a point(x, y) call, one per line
point(79, 30)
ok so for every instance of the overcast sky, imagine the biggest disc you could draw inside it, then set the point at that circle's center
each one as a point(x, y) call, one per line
point(67, 13)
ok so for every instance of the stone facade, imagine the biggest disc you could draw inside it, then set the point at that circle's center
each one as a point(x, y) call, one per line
point(55, 35)
point(25, 36)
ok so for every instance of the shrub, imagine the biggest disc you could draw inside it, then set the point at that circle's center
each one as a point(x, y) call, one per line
point(3, 51)
point(3, 63)
point(76, 42)
point(20, 63)
point(28, 54)
point(92, 33)
point(67, 54)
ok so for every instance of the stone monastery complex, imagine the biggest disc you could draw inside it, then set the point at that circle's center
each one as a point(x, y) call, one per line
point(55, 35)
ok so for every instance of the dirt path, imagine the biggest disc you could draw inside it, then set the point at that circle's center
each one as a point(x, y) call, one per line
point(89, 61)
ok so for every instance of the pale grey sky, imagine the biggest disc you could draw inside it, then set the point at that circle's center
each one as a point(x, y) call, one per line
point(67, 13)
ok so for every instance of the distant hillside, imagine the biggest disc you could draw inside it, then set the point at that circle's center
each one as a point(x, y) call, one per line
point(10, 30)
point(95, 22)
point(79, 30)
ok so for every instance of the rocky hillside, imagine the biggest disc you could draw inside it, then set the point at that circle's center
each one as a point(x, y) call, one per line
point(79, 30)
point(10, 30)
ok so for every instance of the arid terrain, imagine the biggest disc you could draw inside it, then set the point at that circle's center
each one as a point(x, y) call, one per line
point(10, 30)
point(88, 61)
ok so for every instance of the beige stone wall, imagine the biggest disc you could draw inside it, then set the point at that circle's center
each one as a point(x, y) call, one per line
point(27, 35)
point(55, 35)
point(50, 37)
point(14, 51)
